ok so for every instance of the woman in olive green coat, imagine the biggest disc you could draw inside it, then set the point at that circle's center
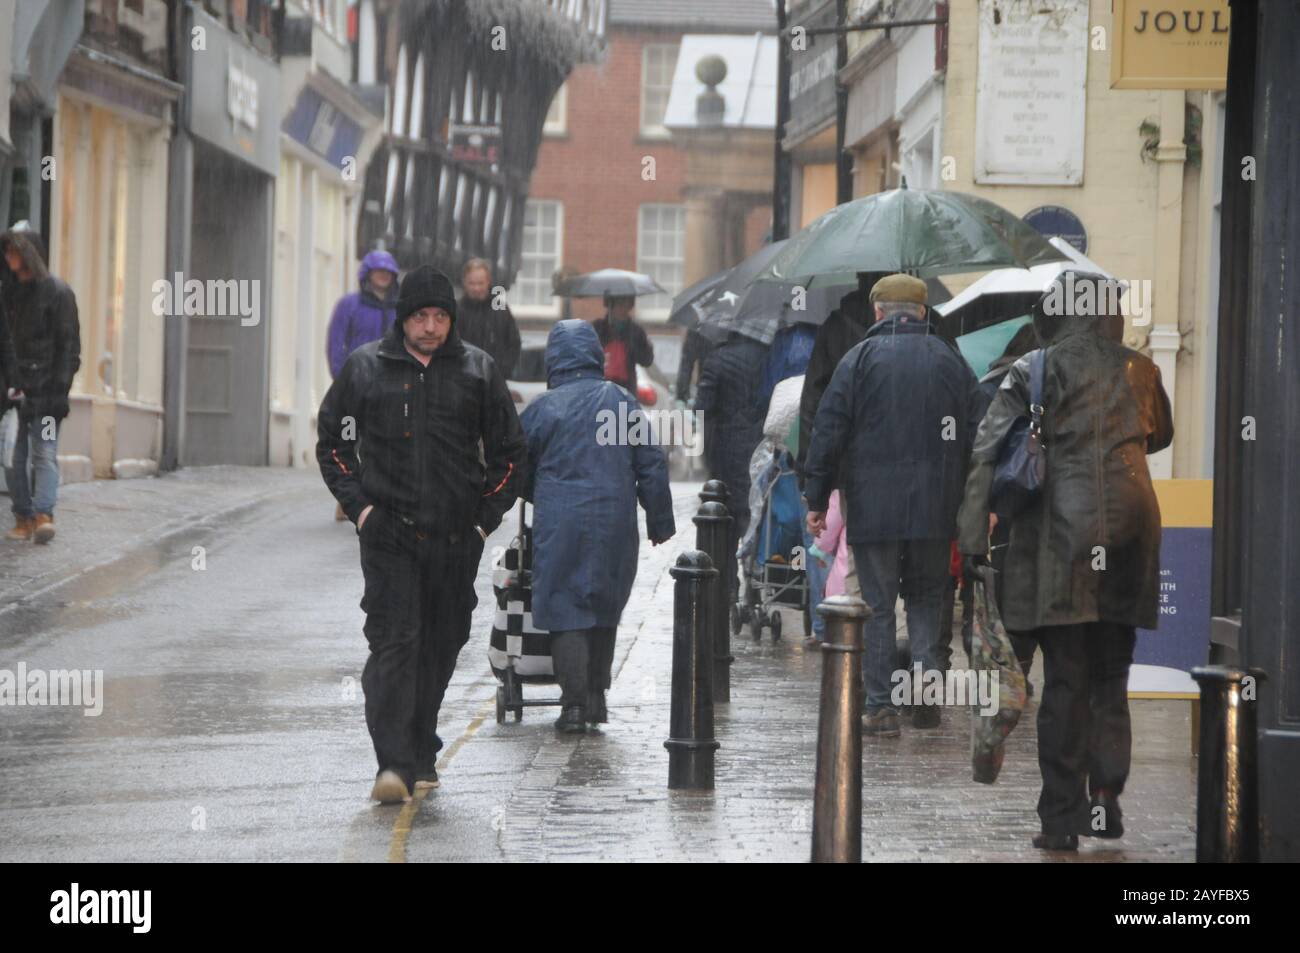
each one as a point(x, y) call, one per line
point(1083, 563)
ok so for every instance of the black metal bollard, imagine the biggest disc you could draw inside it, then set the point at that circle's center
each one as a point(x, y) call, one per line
point(1227, 779)
point(712, 531)
point(690, 744)
point(714, 491)
point(837, 797)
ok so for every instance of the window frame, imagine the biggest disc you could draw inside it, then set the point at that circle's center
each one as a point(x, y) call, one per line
point(531, 310)
point(657, 130)
point(560, 127)
point(641, 256)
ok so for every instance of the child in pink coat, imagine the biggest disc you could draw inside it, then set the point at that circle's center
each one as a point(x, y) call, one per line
point(828, 563)
point(830, 545)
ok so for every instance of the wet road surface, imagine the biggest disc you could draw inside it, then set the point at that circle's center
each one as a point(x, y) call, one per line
point(233, 729)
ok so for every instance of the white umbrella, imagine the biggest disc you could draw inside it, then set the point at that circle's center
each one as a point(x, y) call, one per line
point(1021, 286)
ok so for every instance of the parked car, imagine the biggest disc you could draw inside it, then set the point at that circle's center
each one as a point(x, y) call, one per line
point(529, 379)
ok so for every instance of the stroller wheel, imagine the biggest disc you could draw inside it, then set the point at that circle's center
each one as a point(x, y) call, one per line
point(756, 625)
point(519, 714)
point(774, 622)
point(736, 621)
point(501, 706)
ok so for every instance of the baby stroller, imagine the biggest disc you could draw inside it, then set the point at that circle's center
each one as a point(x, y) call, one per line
point(771, 556)
point(518, 653)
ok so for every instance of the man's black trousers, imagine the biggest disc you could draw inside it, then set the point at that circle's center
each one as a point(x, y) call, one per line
point(418, 601)
point(1085, 738)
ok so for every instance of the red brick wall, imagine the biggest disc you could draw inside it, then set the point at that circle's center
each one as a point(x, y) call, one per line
point(595, 170)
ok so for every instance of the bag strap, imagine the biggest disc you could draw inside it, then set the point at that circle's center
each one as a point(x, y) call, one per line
point(1037, 371)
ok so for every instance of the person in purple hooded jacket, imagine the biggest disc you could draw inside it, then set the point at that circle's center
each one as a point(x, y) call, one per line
point(363, 316)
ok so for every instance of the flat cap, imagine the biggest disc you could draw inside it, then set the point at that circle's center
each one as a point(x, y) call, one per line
point(899, 288)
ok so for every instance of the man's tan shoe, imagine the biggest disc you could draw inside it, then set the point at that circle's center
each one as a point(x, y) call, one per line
point(23, 529)
point(883, 724)
point(44, 528)
point(390, 789)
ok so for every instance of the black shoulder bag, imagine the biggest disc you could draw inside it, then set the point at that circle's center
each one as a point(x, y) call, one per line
point(1021, 468)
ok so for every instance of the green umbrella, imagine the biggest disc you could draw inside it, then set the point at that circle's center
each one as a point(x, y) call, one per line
point(981, 348)
point(918, 231)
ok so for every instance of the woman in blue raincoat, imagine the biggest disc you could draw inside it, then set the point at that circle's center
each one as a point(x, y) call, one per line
point(590, 461)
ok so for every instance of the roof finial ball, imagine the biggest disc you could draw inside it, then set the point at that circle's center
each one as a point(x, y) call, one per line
point(710, 107)
point(711, 70)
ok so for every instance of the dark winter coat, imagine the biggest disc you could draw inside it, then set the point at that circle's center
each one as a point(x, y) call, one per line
point(728, 397)
point(44, 334)
point(847, 325)
point(361, 317)
point(896, 423)
point(413, 447)
point(787, 356)
point(491, 330)
point(1105, 410)
point(8, 368)
point(585, 481)
point(625, 346)
point(696, 349)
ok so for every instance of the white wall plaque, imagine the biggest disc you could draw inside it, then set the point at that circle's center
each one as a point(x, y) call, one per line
point(1031, 92)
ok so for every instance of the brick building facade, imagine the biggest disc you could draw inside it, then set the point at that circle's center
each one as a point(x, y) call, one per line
point(609, 189)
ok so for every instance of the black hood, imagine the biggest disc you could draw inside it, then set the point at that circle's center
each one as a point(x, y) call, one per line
point(1079, 303)
point(30, 247)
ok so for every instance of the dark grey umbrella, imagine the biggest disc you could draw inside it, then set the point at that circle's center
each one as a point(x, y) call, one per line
point(610, 281)
point(686, 308)
point(767, 306)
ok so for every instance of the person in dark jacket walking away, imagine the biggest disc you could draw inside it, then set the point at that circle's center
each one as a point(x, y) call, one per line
point(728, 398)
point(696, 349)
point(44, 345)
point(896, 423)
point(585, 483)
point(847, 325)
point(419, 442)
point(484, 324)
point(624, 341)
point(1083, 566)
point(363, 316)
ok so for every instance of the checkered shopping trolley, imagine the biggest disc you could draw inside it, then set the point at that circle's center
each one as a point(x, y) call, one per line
point(519, 653)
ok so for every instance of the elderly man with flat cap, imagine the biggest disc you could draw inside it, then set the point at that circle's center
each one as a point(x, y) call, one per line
point(894, 431)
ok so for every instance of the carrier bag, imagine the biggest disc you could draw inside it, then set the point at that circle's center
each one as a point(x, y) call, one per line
point(991, 652)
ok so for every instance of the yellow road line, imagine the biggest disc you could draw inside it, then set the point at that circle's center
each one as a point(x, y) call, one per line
point(402, 826)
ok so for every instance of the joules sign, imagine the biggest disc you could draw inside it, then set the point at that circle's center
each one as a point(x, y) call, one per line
point(1169, 45)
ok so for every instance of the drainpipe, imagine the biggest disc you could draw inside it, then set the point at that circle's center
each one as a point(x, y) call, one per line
point(1164, 339)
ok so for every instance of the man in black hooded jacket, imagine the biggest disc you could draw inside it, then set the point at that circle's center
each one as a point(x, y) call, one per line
point(42, 354)
point(419, 441)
